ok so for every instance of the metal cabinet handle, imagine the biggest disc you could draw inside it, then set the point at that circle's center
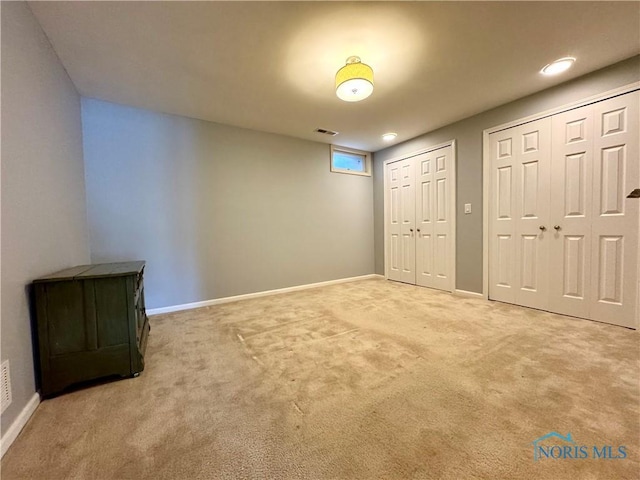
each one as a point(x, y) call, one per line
point(556, 227)
point(542, 227)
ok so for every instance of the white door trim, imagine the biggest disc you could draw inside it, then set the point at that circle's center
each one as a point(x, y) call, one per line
point(486, 164)
point(452, 199)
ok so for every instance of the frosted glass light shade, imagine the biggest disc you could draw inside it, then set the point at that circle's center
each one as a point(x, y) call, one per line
point(354, 81)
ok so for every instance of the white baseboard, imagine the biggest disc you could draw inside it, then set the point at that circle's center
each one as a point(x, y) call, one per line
point(246, 296)
point(466, 293)
point(18, 424)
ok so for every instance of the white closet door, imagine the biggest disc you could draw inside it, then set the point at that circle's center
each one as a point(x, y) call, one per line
point(519, 213)
point(502, 215)
point(425, 220)
point(401, 248)
point(585, 262)
point(434, 209)
point(571, 212)
point(614, 254)
point(420, 219)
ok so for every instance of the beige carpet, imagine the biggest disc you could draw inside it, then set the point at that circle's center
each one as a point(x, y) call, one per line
point(371, 379)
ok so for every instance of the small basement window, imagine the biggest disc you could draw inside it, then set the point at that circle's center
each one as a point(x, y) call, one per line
point(348, 160)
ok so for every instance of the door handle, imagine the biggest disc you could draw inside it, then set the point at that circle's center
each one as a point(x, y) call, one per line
point(411, 230)
point(418, 230)
point(542, 228)
point(556, 227)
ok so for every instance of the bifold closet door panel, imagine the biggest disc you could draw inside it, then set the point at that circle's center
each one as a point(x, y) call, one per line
point(434, 175)
point(571, 214)
point(532, 205)
point(519, 212)
point(502, 216)
point(614, 253)
point(401, 248)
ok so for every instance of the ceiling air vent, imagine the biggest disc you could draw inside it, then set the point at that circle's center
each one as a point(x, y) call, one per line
point(326, 132)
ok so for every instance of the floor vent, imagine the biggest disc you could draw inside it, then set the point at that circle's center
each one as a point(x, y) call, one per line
point(5, 381)
point(326, 132)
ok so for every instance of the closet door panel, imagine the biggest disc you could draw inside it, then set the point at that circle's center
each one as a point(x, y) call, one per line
point(532, 162)
point(408, 220)
point(519, 209)
point(400, 218)
point(394, 234)
point(434, 174)
point(426, 218)
point(443, 209)
point(614, 255)
point(502, 208)
point(570, 217)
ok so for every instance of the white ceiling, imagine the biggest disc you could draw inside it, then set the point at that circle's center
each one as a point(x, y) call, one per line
point(270, 66)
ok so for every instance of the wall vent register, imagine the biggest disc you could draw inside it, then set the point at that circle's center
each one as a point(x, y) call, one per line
point(5, 382)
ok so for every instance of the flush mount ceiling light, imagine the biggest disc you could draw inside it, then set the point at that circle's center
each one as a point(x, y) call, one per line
point(387, 137)
point(354, 81)
point(559, 66)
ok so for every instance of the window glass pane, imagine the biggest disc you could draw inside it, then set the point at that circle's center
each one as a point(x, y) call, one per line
point(348, 161)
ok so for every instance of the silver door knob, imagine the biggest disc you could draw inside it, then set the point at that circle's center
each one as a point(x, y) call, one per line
point(542, 227)
point(556, 227)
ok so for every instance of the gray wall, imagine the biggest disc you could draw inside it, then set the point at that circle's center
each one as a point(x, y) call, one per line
point(468, 136)
point(218, 210)
point(44, 225)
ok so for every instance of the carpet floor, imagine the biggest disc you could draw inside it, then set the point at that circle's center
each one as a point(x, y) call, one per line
point(365, 380)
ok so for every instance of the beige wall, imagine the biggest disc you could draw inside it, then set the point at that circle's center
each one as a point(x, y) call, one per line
point(468, 136)
point(44, 226)
point(217, 210)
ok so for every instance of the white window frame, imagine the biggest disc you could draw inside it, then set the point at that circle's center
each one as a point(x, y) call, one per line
point(367, 161)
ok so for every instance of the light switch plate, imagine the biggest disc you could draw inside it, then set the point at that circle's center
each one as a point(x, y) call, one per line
point(467, 208)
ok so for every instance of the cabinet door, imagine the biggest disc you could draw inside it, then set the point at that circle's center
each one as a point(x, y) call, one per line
point(111, 310)
point(61, 319)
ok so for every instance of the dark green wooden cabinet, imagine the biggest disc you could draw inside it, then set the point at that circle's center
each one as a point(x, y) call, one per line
point(91, 323)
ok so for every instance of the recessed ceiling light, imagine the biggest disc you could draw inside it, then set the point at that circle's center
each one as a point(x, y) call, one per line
point(559, 66)
point(387, 137)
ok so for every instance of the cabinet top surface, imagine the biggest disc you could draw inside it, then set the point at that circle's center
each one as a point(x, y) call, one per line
point(82, 272)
